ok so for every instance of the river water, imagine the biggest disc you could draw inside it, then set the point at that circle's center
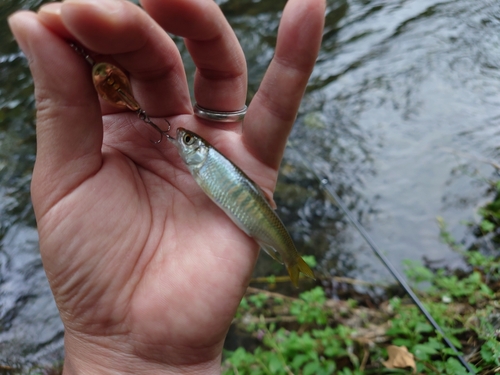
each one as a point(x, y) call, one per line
point(401, 112)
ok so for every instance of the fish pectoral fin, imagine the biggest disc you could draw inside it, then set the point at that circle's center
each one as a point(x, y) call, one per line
point(272, 253)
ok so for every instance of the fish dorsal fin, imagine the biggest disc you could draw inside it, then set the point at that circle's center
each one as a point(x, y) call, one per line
point(272, 253)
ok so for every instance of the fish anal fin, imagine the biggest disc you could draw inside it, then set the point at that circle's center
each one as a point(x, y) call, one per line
point(295, 269)
point(272, 253)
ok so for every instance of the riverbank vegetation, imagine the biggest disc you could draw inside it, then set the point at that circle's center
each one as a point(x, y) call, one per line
point(315, 334)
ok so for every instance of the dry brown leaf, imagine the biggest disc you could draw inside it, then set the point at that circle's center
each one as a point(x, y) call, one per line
point(400, 357)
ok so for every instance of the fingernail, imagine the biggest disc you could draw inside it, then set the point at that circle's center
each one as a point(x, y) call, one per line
point(15, 22)
point(106, 5)
point(51, 8)
point(11, 19)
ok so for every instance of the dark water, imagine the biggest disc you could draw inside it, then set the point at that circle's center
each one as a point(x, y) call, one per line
point(401, 107)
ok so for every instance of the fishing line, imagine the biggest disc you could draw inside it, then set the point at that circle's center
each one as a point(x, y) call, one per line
point(327, 187)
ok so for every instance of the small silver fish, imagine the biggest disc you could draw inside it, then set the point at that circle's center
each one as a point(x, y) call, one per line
point(241, 199)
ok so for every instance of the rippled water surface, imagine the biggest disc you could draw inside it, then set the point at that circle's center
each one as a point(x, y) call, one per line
point(402, 108)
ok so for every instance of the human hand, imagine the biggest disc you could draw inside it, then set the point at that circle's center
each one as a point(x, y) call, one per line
point(146, 271)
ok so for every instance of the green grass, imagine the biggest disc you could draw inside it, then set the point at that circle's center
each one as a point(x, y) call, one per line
point(314, 335)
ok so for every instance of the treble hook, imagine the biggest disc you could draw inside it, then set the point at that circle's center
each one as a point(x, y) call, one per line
point(113, 86)
point(163, 133)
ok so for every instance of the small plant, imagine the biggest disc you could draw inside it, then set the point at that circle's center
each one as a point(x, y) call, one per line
point(309, 308)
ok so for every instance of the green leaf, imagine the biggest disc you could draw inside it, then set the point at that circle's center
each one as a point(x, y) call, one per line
point(258, 300)
point(310, 307)
point(275, 364)
point(271, 279)
point(402, 342)
point(244, 304)
point(435, 343)
point(486, 290)
point(423, 352)
point(454, 367)
point(310, 260)
point(416, 272)
point(299, 360)
point(329, 367)
point(395, 302)
point(455, 341)
point(490, 352)
point(498, 186)
point(450, 351)
point(423, 327)
point(311, 368)
point(346, 371)
point(487, 226)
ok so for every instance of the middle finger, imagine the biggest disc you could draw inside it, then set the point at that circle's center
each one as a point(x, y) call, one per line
point(220, 80)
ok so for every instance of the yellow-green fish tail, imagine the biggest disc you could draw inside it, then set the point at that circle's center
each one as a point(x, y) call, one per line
point(295, 268)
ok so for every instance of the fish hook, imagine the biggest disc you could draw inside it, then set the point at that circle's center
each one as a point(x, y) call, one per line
point(144, 117)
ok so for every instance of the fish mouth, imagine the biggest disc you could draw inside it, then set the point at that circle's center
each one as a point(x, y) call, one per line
point(173, 140)
point(178, 135)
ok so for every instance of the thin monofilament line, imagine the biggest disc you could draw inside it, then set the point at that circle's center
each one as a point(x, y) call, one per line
point(83, 53)
point(327, 187)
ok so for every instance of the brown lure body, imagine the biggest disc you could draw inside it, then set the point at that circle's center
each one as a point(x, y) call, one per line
point(113, 86)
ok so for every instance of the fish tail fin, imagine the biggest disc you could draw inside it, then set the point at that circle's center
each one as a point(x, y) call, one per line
point(296, 268)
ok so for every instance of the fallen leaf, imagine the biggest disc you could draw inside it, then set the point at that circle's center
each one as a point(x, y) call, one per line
point(400, 357)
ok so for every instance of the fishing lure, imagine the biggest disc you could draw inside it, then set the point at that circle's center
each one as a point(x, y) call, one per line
point(113, 86)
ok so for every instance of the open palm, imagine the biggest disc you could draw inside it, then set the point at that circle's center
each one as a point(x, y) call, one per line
point(145, 269)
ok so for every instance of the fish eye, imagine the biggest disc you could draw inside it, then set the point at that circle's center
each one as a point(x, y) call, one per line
point(188, 139)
